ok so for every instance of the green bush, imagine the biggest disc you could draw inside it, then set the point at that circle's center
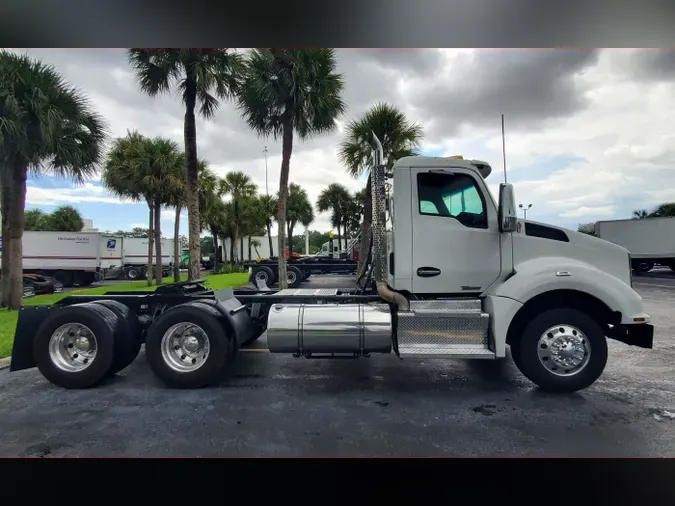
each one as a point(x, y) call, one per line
point(231, 269)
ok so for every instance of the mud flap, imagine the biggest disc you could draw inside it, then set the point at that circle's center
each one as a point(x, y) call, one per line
point(30, 319)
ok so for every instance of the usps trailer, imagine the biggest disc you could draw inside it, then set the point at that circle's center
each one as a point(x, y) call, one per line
point(111, 254)
point(135, 257)
point(649, 241)
point(72, 258)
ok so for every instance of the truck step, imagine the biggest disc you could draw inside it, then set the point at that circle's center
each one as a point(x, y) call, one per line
point(455, 328)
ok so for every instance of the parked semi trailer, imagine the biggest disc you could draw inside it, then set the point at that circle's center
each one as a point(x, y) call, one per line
point(462, 277)
point(127, 257)
point(72, 258)
point(650, 241)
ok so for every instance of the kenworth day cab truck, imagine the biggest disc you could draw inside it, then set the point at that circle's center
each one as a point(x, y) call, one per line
point(461, 277)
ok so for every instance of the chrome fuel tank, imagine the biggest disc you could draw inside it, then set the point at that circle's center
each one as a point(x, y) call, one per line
point(329, 328)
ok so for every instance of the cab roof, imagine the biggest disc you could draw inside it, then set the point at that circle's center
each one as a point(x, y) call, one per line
point(483, 168)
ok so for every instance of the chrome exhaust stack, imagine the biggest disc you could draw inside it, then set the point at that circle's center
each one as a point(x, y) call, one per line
point(380, 261)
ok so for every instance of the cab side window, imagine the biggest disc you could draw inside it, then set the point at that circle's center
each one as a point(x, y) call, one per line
point(452, 196)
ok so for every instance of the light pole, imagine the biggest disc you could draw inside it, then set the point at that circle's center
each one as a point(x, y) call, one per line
point(267, 191)
point(525, 208)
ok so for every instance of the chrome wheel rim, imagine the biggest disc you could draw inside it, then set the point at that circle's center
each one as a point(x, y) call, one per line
point(261, 276)
point(291, 277)
point(72, 347)
point(133, 274)
point(564, 350)
point(185, 347)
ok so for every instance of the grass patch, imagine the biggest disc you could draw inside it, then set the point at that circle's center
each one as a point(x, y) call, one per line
point(8, 318)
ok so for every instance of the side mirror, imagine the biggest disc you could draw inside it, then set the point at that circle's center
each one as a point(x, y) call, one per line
point(507, 213)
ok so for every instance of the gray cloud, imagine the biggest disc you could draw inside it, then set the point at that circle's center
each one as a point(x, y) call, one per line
point(656, 64)
point(530, 86)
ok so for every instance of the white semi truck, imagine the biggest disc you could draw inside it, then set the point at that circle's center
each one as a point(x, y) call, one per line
point(127, 257)
point(649, 241)
point(72, 258)
point(461, 278)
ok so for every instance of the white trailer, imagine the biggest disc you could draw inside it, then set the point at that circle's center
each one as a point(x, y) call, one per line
point(135, 256)
point(70, 257)
point(111, 251)
point(649, 241)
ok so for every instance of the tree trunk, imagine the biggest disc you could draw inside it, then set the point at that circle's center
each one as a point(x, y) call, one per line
point(286, 151)
point(158, 243)
point(366, 225)
point(232, 248)
point(5, 195)
point(291, 226)
point(241, 249)
point(269, 237)
point(215, 253)
point(289, 234)
point(151, 242)
point(15, 218)
point(192, 175)
point(235, 238)
point(249, 247)
point(176, 246)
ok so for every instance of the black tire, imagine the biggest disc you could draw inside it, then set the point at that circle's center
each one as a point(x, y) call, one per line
point(294, 276)
point(104, 325)
point(133, 274)
point(525, 352)
point(265, 273)
point(66, 278)
point(222, 345)
point(128, 340)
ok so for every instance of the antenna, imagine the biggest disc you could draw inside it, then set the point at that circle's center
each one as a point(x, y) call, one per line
point(504, 148)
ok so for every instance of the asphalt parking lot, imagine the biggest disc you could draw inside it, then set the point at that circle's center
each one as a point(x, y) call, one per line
point(272, 405)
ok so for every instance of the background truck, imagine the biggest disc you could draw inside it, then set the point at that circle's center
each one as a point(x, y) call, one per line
point(72, 258)
point(128, 257)
point(461, 277)
point(649, 241)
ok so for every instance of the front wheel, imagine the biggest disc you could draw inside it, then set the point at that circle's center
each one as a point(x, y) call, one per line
point(561, 350)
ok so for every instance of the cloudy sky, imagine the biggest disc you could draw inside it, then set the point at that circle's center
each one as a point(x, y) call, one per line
point(590, 135)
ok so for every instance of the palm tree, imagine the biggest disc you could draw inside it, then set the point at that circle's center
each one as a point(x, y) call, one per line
point(138, 167)
point(239, 186)
point(268, 210)
point(197, 74)
point(252, 219)
point(178, 201)
point(355, 212)
point(299, 211)
point(121, 176)
point(399, 138)
point(667, 209)
point(36, 220)
point(336, 198)
point(46, 125)
point(287, 92)
point(65, 219)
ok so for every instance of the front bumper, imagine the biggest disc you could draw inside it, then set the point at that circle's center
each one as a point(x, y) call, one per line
point(638, 334)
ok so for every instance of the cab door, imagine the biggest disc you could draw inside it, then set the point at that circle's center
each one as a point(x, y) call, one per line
point(456, 238)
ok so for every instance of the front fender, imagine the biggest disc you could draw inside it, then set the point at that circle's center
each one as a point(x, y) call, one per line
point(541, 275)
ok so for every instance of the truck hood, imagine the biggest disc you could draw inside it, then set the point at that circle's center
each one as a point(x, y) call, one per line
point(535, 240)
